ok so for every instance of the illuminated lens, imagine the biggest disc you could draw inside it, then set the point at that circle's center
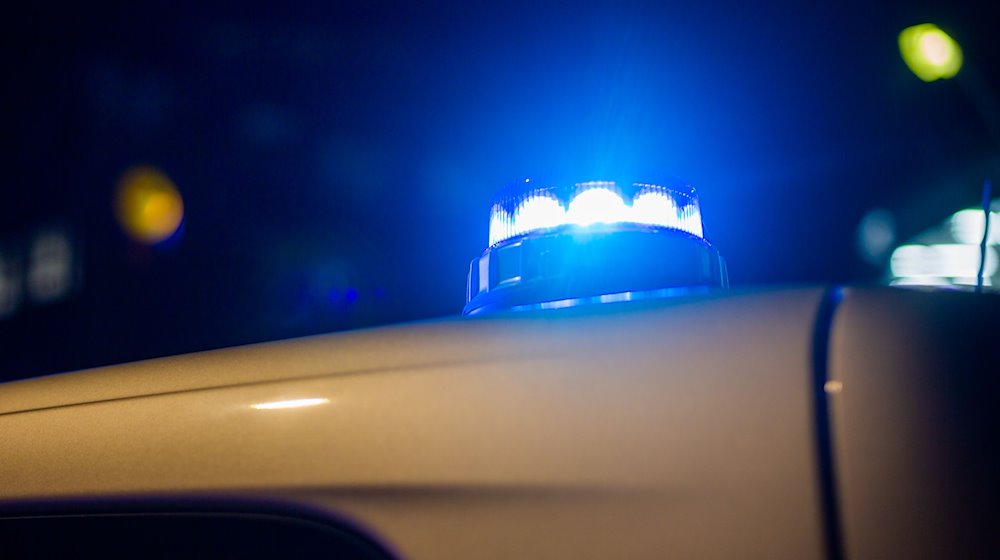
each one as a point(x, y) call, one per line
point(690, 218)
point(500, 225)
point(595, 202)
point(596, 205)
point(655, 208)
point(538, 212)
point(930, 52)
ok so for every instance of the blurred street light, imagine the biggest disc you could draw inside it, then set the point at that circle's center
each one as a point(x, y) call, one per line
point(148, 206)
point(930, 52)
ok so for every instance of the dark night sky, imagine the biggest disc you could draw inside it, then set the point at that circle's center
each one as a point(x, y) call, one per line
point(353, 148)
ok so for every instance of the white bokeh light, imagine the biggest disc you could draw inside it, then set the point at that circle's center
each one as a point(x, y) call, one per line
point(967, 226)
point(941, 261)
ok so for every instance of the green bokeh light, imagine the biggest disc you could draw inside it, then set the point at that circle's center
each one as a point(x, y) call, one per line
point(930, 52)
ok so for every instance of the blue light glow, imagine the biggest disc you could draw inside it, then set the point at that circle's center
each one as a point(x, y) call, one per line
point(595, 202)
point(538, 212)
point(558, 245)
point(597, 205)
point(690, 218)
point(500, 225)
point(655, 208)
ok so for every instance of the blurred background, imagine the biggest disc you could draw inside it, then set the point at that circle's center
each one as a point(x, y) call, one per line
point(178, 178)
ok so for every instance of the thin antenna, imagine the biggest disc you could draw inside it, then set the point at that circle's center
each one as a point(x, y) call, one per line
point(986, 235)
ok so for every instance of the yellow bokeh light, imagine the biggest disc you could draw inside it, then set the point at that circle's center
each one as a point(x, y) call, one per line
point(930, 52)
point(147, 205)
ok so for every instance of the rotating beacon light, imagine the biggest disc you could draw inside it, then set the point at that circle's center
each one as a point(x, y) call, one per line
point(553, 246)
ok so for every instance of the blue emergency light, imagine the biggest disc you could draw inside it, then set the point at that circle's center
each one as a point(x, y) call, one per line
point(553, 246)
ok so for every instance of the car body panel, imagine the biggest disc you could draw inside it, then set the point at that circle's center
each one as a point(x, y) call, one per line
point(914, 423)
point(682, 427)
